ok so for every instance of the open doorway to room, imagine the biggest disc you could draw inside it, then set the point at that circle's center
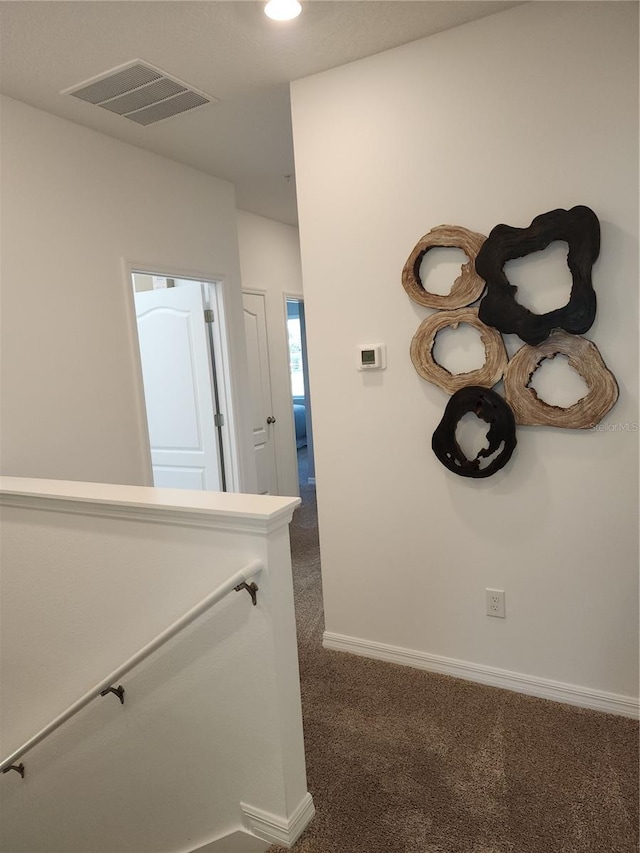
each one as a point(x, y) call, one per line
point(300, 389)
point(184, 365)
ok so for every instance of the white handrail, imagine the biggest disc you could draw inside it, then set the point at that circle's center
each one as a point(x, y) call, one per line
point(235, 580)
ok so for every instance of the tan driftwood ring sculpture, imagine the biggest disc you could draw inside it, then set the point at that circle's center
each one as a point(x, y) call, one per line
point(424, 340)
point(466, 288)
point(585, 358)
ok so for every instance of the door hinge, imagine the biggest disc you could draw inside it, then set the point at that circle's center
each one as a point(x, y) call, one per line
point(209, 316)
point(218, 420)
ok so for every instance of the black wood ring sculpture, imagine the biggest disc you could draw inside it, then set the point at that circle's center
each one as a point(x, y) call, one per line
point(488, 406)
point(579, 227)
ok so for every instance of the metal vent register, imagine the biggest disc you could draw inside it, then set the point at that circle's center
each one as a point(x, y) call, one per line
point(140, 92)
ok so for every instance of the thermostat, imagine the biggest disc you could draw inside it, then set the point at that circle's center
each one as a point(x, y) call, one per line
point(372, 357)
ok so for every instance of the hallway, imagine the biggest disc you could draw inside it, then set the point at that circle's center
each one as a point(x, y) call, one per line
point(400, 760)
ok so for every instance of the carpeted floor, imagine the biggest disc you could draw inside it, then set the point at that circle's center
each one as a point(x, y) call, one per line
point(403, 761)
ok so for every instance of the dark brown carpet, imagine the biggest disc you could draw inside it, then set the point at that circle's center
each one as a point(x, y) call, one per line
point(404, 761)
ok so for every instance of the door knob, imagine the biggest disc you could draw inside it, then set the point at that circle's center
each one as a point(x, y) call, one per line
point(271, 419)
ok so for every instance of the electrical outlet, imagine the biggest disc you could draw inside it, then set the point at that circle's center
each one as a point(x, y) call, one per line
point(495, 602)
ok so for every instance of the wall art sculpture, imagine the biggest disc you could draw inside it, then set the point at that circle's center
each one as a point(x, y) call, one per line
point(422, 351)
point(466, 288)
point(545, 335)
point(501, 437)
point(585, 359)
point(579, 227)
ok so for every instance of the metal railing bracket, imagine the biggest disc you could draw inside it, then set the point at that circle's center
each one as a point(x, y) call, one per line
point(252, 589)
point(19, 768)
point(119, 692)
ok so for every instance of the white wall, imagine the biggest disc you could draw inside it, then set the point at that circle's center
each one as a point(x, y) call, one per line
point(76, 206)
point(270, 262)
point(497, 121)
point(210, 721)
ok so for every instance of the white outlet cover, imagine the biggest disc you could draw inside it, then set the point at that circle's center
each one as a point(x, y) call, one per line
point(495, 603)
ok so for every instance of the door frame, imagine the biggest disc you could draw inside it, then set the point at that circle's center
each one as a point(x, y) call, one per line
point(299, 297)
point(214, 298)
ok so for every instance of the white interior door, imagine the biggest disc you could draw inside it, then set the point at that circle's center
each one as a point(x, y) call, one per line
point(262, 420)
point(176, 369)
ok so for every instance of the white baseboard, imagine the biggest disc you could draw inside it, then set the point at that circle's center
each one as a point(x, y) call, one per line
point(571, 694)
point(234, 842)
point(278, 830)
point(261, 830)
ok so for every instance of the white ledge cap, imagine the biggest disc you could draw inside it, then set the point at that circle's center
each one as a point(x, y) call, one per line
point(178, 505)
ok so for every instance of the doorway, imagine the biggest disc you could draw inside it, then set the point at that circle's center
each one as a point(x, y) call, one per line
point(184, 365)
point(300, 397)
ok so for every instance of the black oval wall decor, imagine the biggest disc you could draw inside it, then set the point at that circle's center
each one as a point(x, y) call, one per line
point(580, 229)
point(489, 407)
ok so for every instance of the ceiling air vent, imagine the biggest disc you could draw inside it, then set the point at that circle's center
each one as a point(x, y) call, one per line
point(139, 92)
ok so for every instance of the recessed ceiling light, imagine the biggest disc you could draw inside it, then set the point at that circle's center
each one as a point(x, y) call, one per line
point(282, 10)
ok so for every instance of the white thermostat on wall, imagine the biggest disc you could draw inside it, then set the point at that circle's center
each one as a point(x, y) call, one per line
point(372, 357)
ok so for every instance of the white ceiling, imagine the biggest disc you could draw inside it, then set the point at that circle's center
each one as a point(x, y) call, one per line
point(228, 49)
